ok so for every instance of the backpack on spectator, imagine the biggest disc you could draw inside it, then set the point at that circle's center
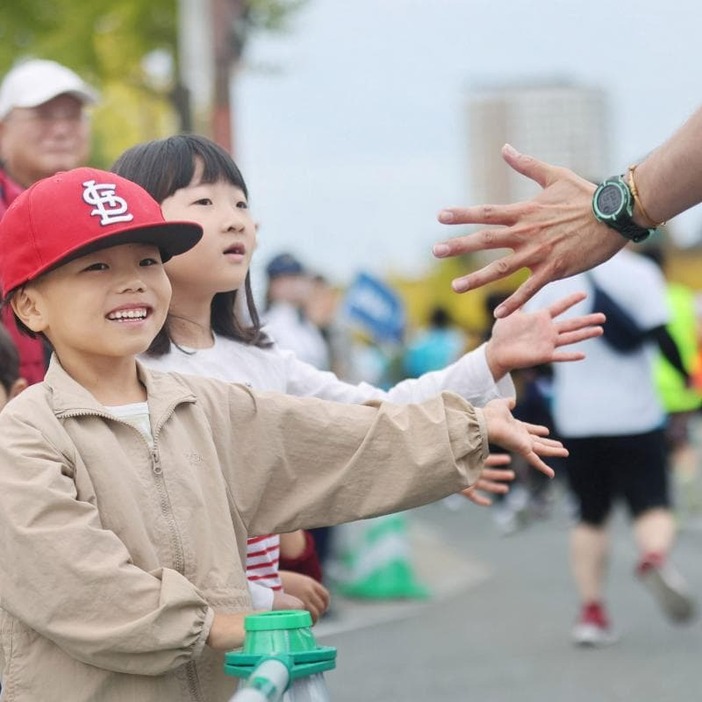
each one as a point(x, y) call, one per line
point(621, 331)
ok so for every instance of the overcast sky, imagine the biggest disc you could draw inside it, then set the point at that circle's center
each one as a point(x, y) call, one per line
point(352, 128)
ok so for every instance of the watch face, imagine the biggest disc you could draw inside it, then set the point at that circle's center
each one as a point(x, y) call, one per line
point(610, 200)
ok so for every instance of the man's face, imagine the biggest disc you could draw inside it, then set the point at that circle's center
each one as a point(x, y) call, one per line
point(36, 142)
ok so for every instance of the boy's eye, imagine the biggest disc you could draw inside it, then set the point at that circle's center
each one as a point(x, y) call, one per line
point(242, 204)
point(96, 267)
point(203, 201)
point(150, 262)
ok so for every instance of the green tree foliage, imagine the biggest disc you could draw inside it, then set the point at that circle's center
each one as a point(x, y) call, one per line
point(106, 42)
point(102, 40)
point(108, 39)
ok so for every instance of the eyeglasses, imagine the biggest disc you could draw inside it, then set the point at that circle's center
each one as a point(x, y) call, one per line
point(45, 115)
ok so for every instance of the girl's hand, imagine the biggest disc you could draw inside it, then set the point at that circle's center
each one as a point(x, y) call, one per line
point(313, 596)
point(284, 600)
point(523, 339)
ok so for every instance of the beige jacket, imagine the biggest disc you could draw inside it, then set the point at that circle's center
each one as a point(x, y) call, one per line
point(115, 555)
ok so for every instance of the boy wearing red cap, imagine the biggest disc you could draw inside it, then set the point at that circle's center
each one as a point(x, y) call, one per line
point(126, 496)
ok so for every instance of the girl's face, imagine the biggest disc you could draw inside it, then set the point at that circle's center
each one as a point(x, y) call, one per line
point(221, 259)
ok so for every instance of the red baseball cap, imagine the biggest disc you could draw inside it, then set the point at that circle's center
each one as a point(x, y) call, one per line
point(76, 212)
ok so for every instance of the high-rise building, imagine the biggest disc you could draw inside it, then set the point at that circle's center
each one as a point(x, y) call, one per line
point(563, 124)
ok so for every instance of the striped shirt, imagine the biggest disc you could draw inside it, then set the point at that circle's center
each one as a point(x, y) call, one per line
point(262, 557)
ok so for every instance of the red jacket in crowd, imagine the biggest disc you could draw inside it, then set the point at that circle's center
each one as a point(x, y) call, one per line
point(31, 351)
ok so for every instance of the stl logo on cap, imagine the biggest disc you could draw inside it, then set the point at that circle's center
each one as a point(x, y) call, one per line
point(107, 205)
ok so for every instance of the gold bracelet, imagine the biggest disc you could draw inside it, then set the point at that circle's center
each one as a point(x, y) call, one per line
point(637, 198)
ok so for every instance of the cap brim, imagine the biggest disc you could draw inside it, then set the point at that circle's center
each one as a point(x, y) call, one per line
point(171, 238)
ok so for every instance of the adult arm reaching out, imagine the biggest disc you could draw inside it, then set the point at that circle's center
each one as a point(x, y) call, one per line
point(555, 234)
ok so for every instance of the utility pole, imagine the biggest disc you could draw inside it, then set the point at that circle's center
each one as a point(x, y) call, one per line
point(196, 65)
point(227, 47)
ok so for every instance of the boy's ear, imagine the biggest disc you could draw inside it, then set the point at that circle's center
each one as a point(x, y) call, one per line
point(26, 304)
point(17, 387)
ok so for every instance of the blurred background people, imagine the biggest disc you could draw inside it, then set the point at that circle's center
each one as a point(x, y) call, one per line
point(290, 288)
point(608, 414)
point(681, 400)
point(44, 128)
point(436, 346)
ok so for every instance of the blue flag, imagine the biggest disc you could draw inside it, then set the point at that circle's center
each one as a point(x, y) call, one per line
point(376, 308)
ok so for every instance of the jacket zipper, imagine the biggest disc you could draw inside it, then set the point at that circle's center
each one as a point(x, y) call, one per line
point(178, 552)
point(166, 511)
point(191, 675)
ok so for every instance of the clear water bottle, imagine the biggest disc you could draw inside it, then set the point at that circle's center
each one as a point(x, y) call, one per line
point(281, 638)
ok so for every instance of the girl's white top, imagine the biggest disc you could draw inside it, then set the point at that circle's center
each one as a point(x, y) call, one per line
point(281, 371)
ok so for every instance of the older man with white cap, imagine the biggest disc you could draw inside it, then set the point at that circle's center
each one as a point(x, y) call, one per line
point(43, 125)
point(44, 129)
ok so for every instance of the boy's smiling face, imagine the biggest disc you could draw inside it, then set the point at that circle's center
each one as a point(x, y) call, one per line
point(106, 305)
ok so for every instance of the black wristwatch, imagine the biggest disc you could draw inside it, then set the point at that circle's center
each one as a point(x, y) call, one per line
point(613, 204)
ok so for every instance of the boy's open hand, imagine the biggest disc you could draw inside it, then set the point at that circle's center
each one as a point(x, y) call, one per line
point(526, 339)
point(527, 440)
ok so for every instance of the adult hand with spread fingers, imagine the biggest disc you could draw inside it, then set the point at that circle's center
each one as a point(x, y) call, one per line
point(556, 234)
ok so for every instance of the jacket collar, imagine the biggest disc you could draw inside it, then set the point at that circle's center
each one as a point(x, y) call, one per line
point(164, 392)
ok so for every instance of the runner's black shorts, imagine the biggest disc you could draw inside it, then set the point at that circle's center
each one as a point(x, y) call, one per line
point(604, 469)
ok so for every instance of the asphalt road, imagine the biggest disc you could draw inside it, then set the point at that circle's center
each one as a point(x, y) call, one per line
point(497, 628)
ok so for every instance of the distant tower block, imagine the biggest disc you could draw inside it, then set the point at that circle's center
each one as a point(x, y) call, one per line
point(561, 123)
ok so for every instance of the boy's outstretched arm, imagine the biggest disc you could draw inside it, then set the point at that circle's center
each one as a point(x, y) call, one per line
point(526, 339)
point(366, 460)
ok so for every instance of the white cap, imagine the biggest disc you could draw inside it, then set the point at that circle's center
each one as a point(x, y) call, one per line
point(37, 81)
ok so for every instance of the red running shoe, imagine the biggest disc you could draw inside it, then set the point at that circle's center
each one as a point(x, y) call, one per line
point(593, 628)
